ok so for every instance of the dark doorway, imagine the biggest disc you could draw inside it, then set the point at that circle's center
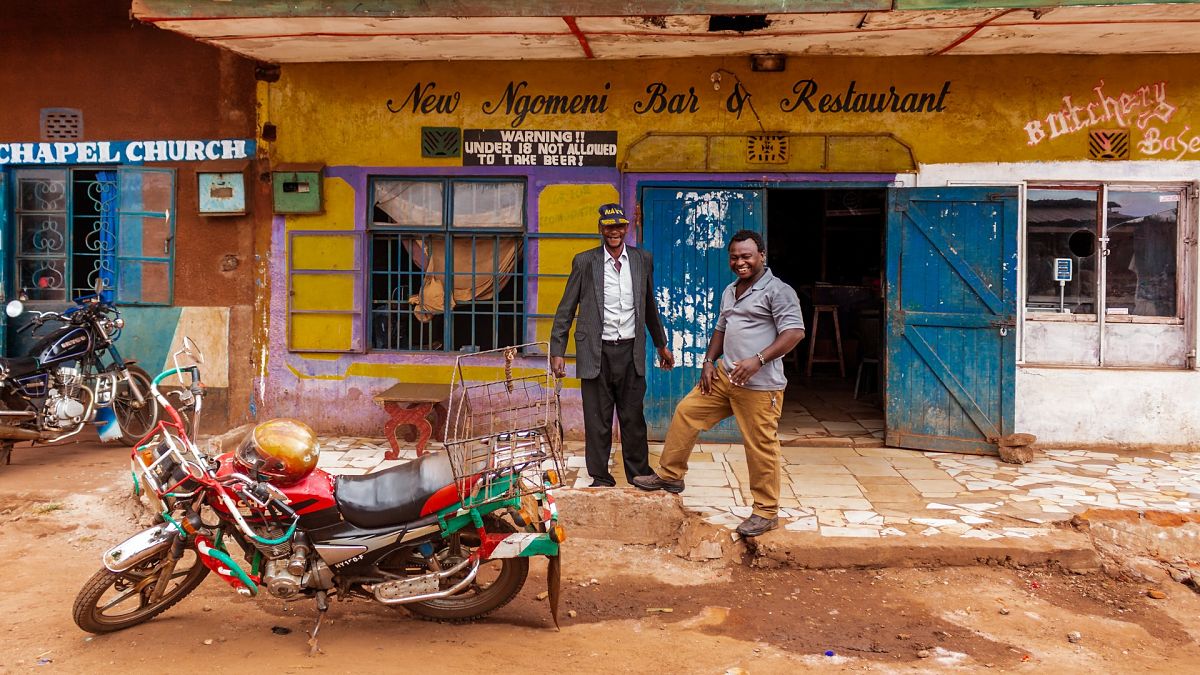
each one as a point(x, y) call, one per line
point(828, 244)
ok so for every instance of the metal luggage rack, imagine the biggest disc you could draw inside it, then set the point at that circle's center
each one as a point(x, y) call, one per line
point(497, 430)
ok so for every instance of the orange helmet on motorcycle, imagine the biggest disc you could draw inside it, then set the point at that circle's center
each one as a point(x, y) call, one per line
point(281, 451)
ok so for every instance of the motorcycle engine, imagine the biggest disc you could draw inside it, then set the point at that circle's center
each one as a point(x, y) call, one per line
point(63, 407)
point(279, 579)
point(285, 576)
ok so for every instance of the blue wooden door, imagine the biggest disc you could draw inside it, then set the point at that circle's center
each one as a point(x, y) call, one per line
point(687, 229)
point(951, 302)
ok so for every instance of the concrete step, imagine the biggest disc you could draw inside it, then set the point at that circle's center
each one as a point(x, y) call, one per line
point(1062, 548)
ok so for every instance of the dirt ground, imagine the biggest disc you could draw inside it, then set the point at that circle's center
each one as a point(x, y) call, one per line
point(60, 508)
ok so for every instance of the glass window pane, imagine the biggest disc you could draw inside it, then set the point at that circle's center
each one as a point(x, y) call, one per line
point(43, 279)
point(42, 190)
point(42, 235)
point(409, 203)
point(488, 204)
point(1062, 223)
point(1142, 240)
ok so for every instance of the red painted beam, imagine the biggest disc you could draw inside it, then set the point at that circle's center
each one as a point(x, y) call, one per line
point(969, 34)
point(583, 43)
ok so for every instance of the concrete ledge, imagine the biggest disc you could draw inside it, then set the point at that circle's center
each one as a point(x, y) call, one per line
point(1064, 548)
point(624, 515)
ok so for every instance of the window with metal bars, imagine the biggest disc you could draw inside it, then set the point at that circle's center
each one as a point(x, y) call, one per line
point(447, 264)
point(75, 226)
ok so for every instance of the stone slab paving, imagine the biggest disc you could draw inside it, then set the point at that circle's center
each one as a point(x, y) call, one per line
point(844, 491)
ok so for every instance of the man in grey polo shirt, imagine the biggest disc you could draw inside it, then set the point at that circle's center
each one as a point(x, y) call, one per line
point(760, 323)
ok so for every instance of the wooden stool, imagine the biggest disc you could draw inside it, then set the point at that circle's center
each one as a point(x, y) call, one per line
point(408, 403)
point(832, 310)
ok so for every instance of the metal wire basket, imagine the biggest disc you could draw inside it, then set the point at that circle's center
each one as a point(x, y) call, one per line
point(504, 437)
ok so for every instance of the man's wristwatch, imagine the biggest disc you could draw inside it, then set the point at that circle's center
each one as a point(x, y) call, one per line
point(710, 362)
point(761, 360)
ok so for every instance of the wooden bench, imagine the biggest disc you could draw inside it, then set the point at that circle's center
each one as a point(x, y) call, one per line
point(409, 403)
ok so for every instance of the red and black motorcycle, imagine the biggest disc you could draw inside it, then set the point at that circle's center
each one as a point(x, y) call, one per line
point(447, 538)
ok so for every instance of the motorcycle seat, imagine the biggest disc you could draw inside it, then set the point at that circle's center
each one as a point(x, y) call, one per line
point(19, 366)
point(393, 496)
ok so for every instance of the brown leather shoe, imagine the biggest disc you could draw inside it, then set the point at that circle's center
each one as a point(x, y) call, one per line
point(756, 525)
point(655, 482)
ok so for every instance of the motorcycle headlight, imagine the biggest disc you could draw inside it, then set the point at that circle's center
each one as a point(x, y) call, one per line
point(119, 323)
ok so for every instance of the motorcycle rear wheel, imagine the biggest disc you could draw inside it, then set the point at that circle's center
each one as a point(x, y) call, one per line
point(130, 592)
point(497, 583)
point(135, 421)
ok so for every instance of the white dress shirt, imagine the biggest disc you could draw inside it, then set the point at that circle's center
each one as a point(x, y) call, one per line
point(618, 297)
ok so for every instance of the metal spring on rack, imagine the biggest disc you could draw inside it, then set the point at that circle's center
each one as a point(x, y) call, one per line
point(509, 355)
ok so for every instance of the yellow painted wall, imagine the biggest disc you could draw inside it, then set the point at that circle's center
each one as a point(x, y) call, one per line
point(338, 113)
point(569, 209)
point(316, 290)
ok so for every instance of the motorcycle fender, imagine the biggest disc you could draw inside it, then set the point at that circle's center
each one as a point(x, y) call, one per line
point(517, 545)
point(108, 426)
point(139, 548)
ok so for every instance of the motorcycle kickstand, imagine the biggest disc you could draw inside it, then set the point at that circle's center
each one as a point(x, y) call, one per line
point(322, 608)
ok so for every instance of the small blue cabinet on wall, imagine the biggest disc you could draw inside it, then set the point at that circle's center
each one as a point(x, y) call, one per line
point(297, 189)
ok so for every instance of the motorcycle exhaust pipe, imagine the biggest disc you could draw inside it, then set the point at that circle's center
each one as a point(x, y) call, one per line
point(11, 433)
point(380, 594)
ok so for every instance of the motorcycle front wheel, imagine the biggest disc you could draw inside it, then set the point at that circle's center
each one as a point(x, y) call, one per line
point(136, 419)
point(112, 601)
point(496, 584)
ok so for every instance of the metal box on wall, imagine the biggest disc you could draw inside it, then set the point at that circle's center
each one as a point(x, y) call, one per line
point(221, 193)
point(297, 189)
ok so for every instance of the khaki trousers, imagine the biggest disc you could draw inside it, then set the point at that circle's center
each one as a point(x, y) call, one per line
point(757, 414)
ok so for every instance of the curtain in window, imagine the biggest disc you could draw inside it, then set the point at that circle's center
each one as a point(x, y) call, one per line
point(479, 264)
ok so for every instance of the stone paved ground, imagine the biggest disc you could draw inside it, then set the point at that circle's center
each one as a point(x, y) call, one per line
point(887, 492)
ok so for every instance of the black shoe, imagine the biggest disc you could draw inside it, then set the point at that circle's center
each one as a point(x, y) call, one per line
point(600, 483)
point(656, 482)
point(756, 525)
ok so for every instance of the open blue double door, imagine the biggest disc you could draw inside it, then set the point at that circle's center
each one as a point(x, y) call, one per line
point(950, 294)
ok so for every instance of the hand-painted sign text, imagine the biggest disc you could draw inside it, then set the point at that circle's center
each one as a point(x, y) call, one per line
point(808, 94)
point(507, 147)
point(659, 99)
point(514, 102)
point(424, 98)
point(125, 152)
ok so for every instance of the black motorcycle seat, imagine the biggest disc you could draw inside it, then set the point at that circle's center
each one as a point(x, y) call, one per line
point(19, 366)
point(393, 496)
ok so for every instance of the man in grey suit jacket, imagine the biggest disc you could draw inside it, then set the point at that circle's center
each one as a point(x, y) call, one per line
point(612, 286)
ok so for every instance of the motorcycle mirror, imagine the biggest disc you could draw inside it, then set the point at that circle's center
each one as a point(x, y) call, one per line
point(99, 286)
point(23, 296)
point(14, 308)
point(190, 347)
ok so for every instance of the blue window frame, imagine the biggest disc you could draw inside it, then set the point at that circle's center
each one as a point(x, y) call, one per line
point(72, 226)
point(447, 263)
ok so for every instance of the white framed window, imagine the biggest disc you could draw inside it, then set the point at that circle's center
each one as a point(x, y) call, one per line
point(1107, 275)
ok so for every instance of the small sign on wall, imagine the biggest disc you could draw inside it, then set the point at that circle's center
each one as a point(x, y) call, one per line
point(1062, 269)
point(520, 147)
point(221, 194)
